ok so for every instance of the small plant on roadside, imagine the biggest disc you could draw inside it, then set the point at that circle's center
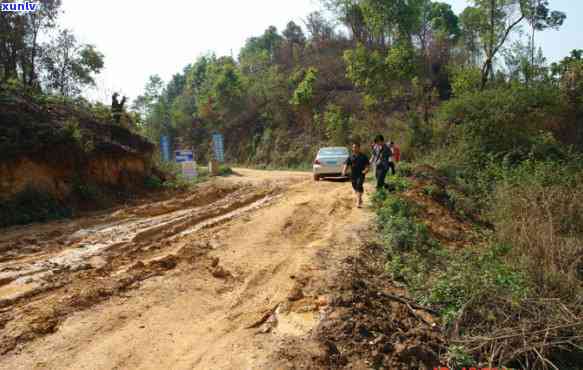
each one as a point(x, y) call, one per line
point(398, 183)
point(153, 183)
point(473, 276)
point(405, 169)
point(458, 357)
point(225, 170)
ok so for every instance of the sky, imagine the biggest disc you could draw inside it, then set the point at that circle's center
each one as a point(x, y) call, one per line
point(149, 37)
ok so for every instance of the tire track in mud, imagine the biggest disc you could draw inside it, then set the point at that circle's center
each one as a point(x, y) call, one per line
point(39, 291)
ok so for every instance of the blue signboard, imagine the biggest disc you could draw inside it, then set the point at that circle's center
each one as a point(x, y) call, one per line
point(219, 147)
point(184, 156)
point(165, 148)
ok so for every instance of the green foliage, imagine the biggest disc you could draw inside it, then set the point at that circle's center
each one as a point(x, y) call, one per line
point(153, 183)
point(396, 220)
point(405, 169)
point(31, 205)
point(465, 79)
point(459, 357)
point(304, 93)
point(475, 275)
point(337, 125)
point(70, 66)
point(367, 70)
point(400, 62)
point(72, 131)
point(501, 124)
point(225, 170)
point(86, 192)
point(399, 183)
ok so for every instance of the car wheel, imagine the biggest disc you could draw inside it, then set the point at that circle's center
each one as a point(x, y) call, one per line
point(316, 177)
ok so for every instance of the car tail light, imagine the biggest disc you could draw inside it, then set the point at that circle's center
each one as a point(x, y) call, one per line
point(317, 161)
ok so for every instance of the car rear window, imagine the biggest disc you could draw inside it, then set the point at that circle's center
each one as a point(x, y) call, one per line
point(334, 151)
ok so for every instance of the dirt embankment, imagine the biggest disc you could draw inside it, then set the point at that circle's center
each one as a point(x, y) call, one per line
point(52, 147)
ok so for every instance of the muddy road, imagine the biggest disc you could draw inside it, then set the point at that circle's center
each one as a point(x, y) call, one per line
point(219, 278)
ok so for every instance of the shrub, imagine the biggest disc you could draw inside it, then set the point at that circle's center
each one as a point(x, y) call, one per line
point(400, 229)
point(153, 182)
point(32, 205)
point(473, 275)
point(225, 170)
point(499, 124)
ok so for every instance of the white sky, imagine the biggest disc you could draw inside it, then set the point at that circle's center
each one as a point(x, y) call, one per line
point(141, 38)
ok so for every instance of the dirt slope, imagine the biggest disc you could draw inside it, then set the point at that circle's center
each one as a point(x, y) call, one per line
point(219, 279)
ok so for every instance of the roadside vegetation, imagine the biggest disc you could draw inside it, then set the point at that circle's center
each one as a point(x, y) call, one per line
point(508, 280)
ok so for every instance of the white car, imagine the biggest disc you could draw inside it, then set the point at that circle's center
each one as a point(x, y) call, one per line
point(329, 162)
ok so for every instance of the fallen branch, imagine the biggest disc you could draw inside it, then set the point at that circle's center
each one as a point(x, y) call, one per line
point(406, 301)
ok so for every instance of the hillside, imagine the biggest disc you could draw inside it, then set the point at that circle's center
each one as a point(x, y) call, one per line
point(60, 153)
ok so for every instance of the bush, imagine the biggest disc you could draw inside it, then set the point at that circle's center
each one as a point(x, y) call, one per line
point(475, 276)
point(32, 205)
point(225, 170)
point(153, 183)
point(87, 192)
point(401, 231)
point(503, 125)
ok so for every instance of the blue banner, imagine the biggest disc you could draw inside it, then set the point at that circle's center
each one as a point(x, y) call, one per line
point(165, 148)
point(219, 147)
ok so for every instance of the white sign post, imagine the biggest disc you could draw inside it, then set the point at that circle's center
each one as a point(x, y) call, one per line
point(189, 170)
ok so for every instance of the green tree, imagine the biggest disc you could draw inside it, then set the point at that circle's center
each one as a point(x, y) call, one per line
point(20, 47)
point(337, 125)
point(70, 66)
point(470, 24)
point(304, 93)
point(540, 17)
point(495, 21)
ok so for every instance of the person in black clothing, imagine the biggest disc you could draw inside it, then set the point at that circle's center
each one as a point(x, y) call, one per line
point(381, 158)
point(359, 166)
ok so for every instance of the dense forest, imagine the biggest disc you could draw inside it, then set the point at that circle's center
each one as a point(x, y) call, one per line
point(494, 130)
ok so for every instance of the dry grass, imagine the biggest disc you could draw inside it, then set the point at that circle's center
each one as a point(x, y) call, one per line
point(545, 227)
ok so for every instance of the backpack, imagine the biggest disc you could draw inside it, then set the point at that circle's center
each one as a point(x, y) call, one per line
point(384, 157)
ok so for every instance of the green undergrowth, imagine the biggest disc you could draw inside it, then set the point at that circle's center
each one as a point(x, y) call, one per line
point(31, 206)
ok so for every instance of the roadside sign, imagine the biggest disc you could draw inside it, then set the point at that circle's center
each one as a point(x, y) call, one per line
point(165, 148)
point(219, 147)
point(184, 156)
point(189, 169)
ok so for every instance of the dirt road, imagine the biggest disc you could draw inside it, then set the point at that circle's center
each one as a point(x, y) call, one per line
point(216, 279)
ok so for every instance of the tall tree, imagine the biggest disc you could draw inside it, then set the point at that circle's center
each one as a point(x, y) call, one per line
point(19, 41)
point(70, 66)
point(497, 19)
point(540, 17)
point(40, 21)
